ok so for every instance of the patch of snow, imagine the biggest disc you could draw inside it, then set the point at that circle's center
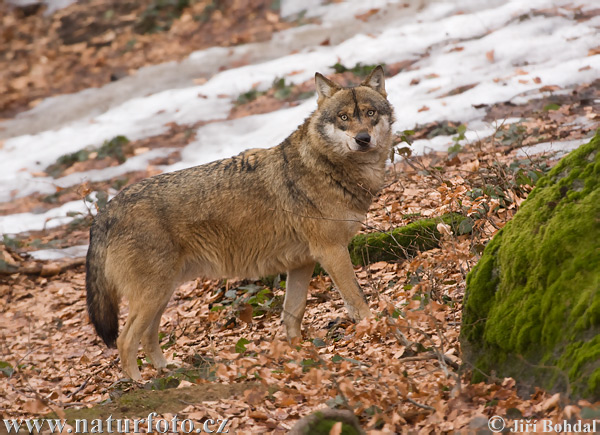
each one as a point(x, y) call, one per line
point(51, 5)
point(77, 251)
point(291, 8)
point(135, 119)
point(560, 148)
point(48, 185)
point(224, 139)
point(22, 222)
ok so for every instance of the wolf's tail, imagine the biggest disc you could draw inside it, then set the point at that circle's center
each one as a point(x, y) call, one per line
point(102, 299)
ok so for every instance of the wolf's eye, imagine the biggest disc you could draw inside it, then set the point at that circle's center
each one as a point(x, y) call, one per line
point(344, 117)
point(371, 113)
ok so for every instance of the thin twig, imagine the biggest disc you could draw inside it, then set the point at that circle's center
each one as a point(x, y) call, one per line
point(430, 355)
point(419, 405)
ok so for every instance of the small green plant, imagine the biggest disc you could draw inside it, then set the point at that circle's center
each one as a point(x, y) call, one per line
point(308, 364)
point(550, 107)
point(499, 179)
point(110, 148)
point(512, 135)
point(164, 383)
point(249, 96)
point(359, 70)
point(443, 128)
point(53, 198)
point(319, 343)
point(282, 90)
point(240, 346)
point(400, 137)
point(67, 160)
point(114, 148)
point(170, 340)
point(99, 201)
point(456, 147)
point(6, 369)
point(119, 183)
point(7, 267)
point(279, 89)
point(209, 9)
point(260, 298)
point(11, 242)
point(159, 15)
point(130, 44)
point(406, 136)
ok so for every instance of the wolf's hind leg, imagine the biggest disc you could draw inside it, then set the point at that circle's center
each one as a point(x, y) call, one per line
point(150, 341)
point(141, 315)
point(296, 291)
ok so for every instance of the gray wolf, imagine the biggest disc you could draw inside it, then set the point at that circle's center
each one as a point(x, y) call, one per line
point(262, 212)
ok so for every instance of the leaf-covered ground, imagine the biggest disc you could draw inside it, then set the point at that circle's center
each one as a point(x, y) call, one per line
point(398, 372)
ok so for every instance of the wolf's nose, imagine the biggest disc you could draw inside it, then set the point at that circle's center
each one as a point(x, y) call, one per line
point(363, 138)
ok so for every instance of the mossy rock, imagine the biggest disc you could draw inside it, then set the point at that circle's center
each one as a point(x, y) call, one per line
point(322, 421)
point(532, 303)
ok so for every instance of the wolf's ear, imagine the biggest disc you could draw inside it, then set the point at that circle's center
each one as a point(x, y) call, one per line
point(325, 87)
point(376, 80)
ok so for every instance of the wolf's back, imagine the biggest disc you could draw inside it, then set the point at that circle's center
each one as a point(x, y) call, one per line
point(102, 300)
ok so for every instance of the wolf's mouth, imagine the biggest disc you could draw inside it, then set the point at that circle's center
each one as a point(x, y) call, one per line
point(361, 148)
point(364, 146)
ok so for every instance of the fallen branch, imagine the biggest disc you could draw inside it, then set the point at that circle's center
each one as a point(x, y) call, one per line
point(419, 405)
point(430, 355)
point(41, 269)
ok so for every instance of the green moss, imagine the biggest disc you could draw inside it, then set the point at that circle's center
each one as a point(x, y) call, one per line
point(323, 427)
point(485, 278)
point(139, 403)
point(404, 242)
point(532, 305)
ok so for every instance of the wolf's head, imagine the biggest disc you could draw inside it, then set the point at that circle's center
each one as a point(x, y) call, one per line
point(355, 119)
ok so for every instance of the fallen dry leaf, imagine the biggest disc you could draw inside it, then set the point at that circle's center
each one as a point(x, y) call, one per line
point(365, 17)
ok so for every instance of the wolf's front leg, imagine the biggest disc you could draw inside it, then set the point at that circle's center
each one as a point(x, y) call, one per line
point(296, 291)
point(336, 261)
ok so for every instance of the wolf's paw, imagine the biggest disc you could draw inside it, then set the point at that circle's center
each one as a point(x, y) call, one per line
point(293, 328)
point(293, 335)
point(159, 362)
point(134, 375)
point(174, 365)
point(359, 313)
